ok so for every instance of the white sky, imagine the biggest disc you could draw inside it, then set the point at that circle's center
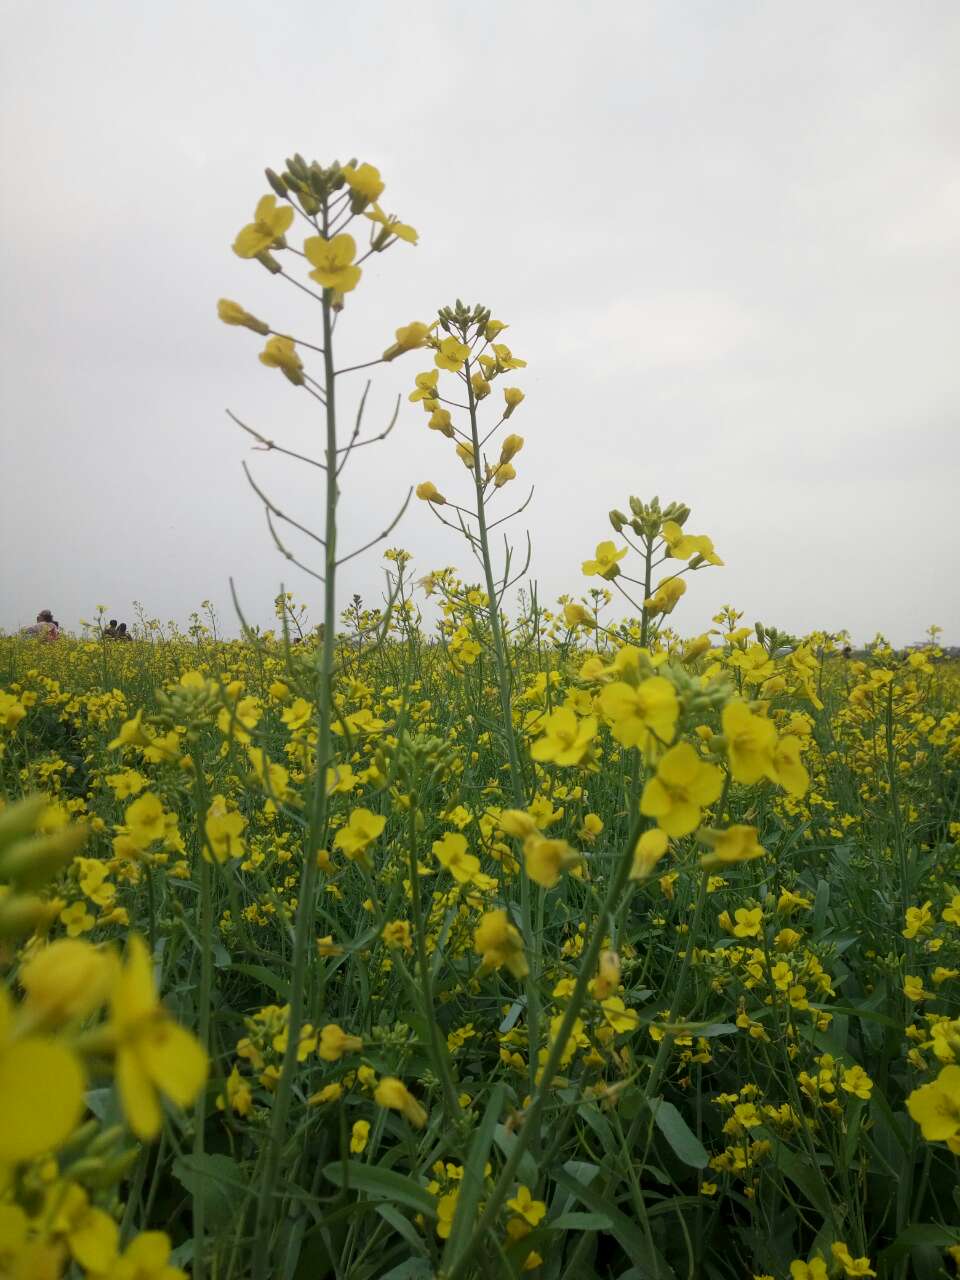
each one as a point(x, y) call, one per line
point(725, 237)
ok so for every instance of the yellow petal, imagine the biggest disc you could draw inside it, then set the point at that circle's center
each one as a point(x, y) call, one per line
point(137, 1096)
point(41, 1084)
point(175, 1061)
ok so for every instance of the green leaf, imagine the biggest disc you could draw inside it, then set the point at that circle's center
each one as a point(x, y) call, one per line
point(627, 1232)
point(527, 1169)
point(685, 1143)
point(383, 1184)
point(581, 1222)
point(267, 976)
point(402, 1226)
point(217, 1180)
point(471, 1185)
point(917, 1236)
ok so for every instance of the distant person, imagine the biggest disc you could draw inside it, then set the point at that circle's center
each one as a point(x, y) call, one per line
point(110, 632)
point(44, 628)
point(122, 633)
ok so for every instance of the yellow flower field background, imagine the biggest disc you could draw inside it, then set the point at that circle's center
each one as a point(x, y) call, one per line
point(540, 940)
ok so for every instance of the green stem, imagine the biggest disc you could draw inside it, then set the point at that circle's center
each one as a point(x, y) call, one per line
point(441, 1062)
point(303, 948)
point(616, 898)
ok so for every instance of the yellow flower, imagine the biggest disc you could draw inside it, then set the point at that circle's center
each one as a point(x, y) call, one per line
point(428, 492)
point(232, 313)
point(396, 935)
point(359, 1135)
point(441, 421)
point(748, 922)
point(392, 226)
point(683, 786)
point(913, 987)
point(851, 1266)
point(393, 1094)
point(683, 546)
point(332, 261)
point(523, 1203)
point(280, 353)
point(145, 820)
point(363, 827)
point(502, 473)
point(815, 1269)
point(147, 1257)
point(451, 853)
point(637, 711)
point(936, 1106)
point(91, 1235)
point(42, 1086)
point(787, 768)
point(647, 852)
point(512, 397)
point(545, 860)
point(750, 742)
point(153, 1054)
point(605, 565)
point(426, 386)
point(566, 740)
point(409, 337)
point(500, 944)
point(66, 980)
point(856, 1081)
point(266, 230)
point(364, 181)
point(224, 832)
point(451, 354)
point(334, 1043)
point(618, 1016)
point(734, 844)
point(666, 596)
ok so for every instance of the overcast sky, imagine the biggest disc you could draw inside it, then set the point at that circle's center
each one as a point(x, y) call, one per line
point(725, 236)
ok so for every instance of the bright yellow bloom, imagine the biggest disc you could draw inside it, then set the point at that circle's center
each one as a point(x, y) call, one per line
point(575, 615)
point(409, 337)
point(605, 565)
point(734, 844)
point(266, 230)
point(224, 831)
point(566, 740)
point(363, 827)
point(334, 1043)
point(396, 935)
point(393, 1094)
point(66, 980)
point(451, 354)
point(856, 1081)
point(815, 1269)
point(440, 420)
point(748, 922)
point(936, 1106)
point(523, 1203)
point(232, 313)
point(280, 353)
point(750, 742)
point(637, 711)
point(153, 1054)
point(683, 787)
point(451, 853)
point(428, 492)
point(392, 226)
point(42, 1086)
point(851, 1266)
point(647, 852)
point(364, 181)
point(359, 1136)
point(787, 768)
point(618, 1016)
point(684, 546)
point(545, 860)
point(147, 1257)
point(145, 820)
point(500, 944)
point(512, 397)
point(664, 599)
point(332, 261)
point(426, 386)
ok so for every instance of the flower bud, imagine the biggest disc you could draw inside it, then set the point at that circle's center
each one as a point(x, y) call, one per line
point(618, 519)
point(267, 259)
point(278, 184)
point(30, 863)
point(232, 313)
point(511, 447)
point(428, 492)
